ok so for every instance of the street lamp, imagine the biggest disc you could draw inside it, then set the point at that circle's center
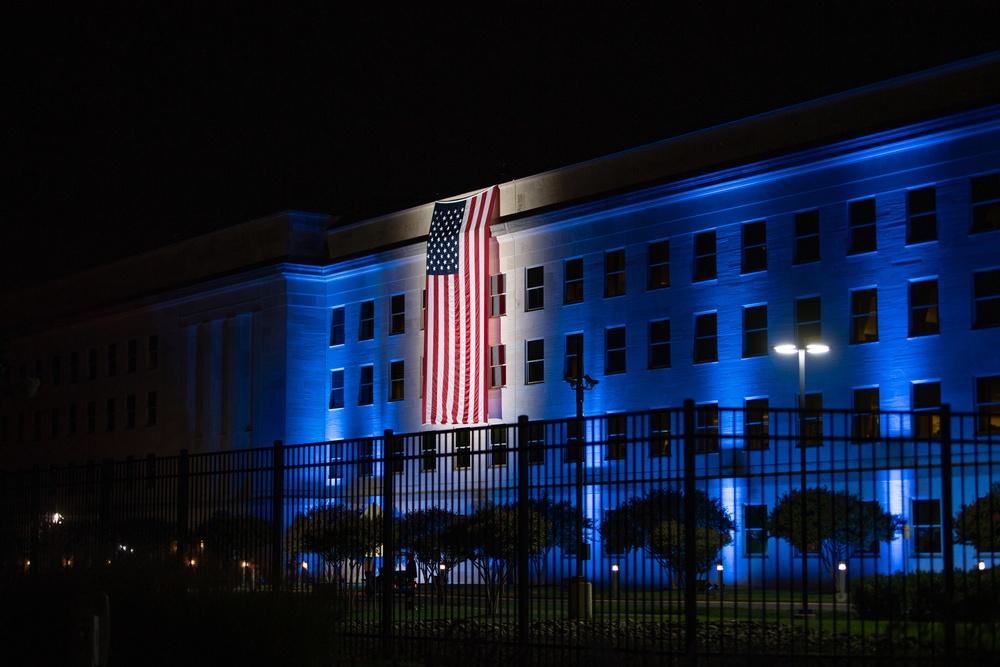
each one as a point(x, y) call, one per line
point(841, 582)
point(811, 348)
point(580, 591)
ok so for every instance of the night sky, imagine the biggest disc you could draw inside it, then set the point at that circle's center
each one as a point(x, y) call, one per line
point(128, 127)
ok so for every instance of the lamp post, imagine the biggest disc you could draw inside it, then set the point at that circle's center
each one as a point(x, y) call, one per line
point(581, 594)
point(841, 582)
point(811, 348)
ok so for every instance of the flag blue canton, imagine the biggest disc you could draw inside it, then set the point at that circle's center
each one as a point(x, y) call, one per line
point(442, 245)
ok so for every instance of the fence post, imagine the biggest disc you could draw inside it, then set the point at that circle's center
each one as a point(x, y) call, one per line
point(277, 518)
point(690, 570)
point(183, 503)
point(523, 537)
point(947, 512)
point(388, 544)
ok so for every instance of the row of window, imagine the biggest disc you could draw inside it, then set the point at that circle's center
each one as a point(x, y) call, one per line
point(78, 419)
point(112, 359)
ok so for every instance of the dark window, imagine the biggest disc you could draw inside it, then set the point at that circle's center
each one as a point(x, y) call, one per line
point(132, 354)
point(986, 299)
point(807, 321)
point(706, 341)
point(366, 385)
point(498, 446)
point(614, 350)
point(130, 409)
point(926, 409)
point(921, 215)
point(865, 419)
point(754, 247)
point(659, 344)
point(428, 452)
point(757, 426)
point(337, 389)
point(617, 448)
point(614, 273)
point(71, 418)
point(573, 284)
point(575, 443)
point(927, 526)
point(534, 361)
point(92, 364)
point(988, 404)
point(573, 362)
point(152, 352)
point(396, 380)
point(151, 408)
point(112, 360)
point(55, 370)
point(985, 203)
point(91, 416)
point(812, 421)
point(74, 367)
point(534, 288)
point(704, 256)
point(498, 366)
point(337, 329)
point(498, 295)
point(658, 265)
point(54, 423)
point(706, 428)
point(110, 415)
point(755, 530)
point(463, 449)
point(397, 314)
point(536, 444)
point(396, 447)
point(864, 316)
point(862, 226)
point(924, 308)
point(366, 321)
point(659, 433)
point(366, 458)
point(806, 237)
point(755, 331)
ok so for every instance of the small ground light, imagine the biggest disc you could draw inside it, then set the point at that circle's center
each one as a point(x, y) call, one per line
point(982, 565)
point(614, 567)
point(841, 595)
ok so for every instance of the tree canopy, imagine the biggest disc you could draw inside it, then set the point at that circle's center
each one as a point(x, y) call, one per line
point(978, 523)
point(338, 534)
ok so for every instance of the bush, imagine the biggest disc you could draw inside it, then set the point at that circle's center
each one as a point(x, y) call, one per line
point(920, 596)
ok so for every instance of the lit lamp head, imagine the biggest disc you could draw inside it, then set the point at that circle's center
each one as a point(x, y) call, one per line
point(614, 567)
point(811, 348)
point(842, 566)
point(982, 565)
point(718, 566)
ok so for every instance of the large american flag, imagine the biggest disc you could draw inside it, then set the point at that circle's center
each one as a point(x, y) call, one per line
point(455, 331)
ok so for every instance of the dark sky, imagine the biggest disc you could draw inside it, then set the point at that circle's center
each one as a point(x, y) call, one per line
point(131, 126)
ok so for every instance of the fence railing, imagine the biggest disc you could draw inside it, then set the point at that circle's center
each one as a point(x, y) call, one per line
point(676, 532)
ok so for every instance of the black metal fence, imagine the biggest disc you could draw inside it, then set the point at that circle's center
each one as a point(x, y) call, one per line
point(666, 536)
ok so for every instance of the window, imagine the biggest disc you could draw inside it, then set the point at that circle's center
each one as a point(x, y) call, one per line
point(151, 408)
point(659, 344)
point(614, 350)
point(110, 415)
point(658, 265)
point(54, 423)
point(37, 431)
point(614, 273)
point(659, 433)
point(55, 370)
point(704, 256)
point(534, 288)
point(865, 419)
point(336, 468)
point(498, 446)
point(131, 355)
point(574, 441)
point(366, 458)
point(921, 215)
point(706, 428)
point(573, 362)
point(807, 321)
point(573, 283)
point(498, 366)
point(706, 342)
point(463, 449)
point(864, 316)
point(74, 367)
point(988, 404)
point(755, 331)
point(812, 421)
point(536, 444)
point(924, 308)
point(366, 385)
point(337, 329)
point(71, 418)
point(926, 404)
point(92, 364)
point(617, 448)
point(397, 314)
point(130, 409)
point(754, 257)
point(366, 321)
point(91, 416)
point(985, 203)
point(534, 361)
point(755, 530)
point(428, 452)
point(986, 299)
point(757, 425)
point(498, 295)
point(337, 389)
point(926, 515)
point(112, 360)
point(806, 237)
point(152, 352)
point(861, 218)
point(396, 377)
point(397, 451)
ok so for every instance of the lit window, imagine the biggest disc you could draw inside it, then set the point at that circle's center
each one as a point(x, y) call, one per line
point(614, 273)
point(397, 314)
point(806, 237)
point(366, 321)
point(614, 350)
point(498, 366)
point(706, 428)
point(534, 288)
point(704, 256)
point(658, 260)
point(864, 316)
point(926, 518)
point(985, 203)
point(865, 419)
point(573, 283)
point(988, 404)
point(926, 408)
point(755, 530)
point(706, 341)
point(755, 331)
point(754, 256)
point(659, 433)
point(366, 385)
point(986, 299)
point(921, 215)
point(659, 344)
point(862, 227)
point(924, 308)
point(337, 389)
point(498, 295)
point(534, 359)
point(757, 425)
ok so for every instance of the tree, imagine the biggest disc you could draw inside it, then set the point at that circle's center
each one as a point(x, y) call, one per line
point(838, 524)
point(426, 535)
point(561, 518)
point(228, 541)
point(978, 524)
point(655, 523)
